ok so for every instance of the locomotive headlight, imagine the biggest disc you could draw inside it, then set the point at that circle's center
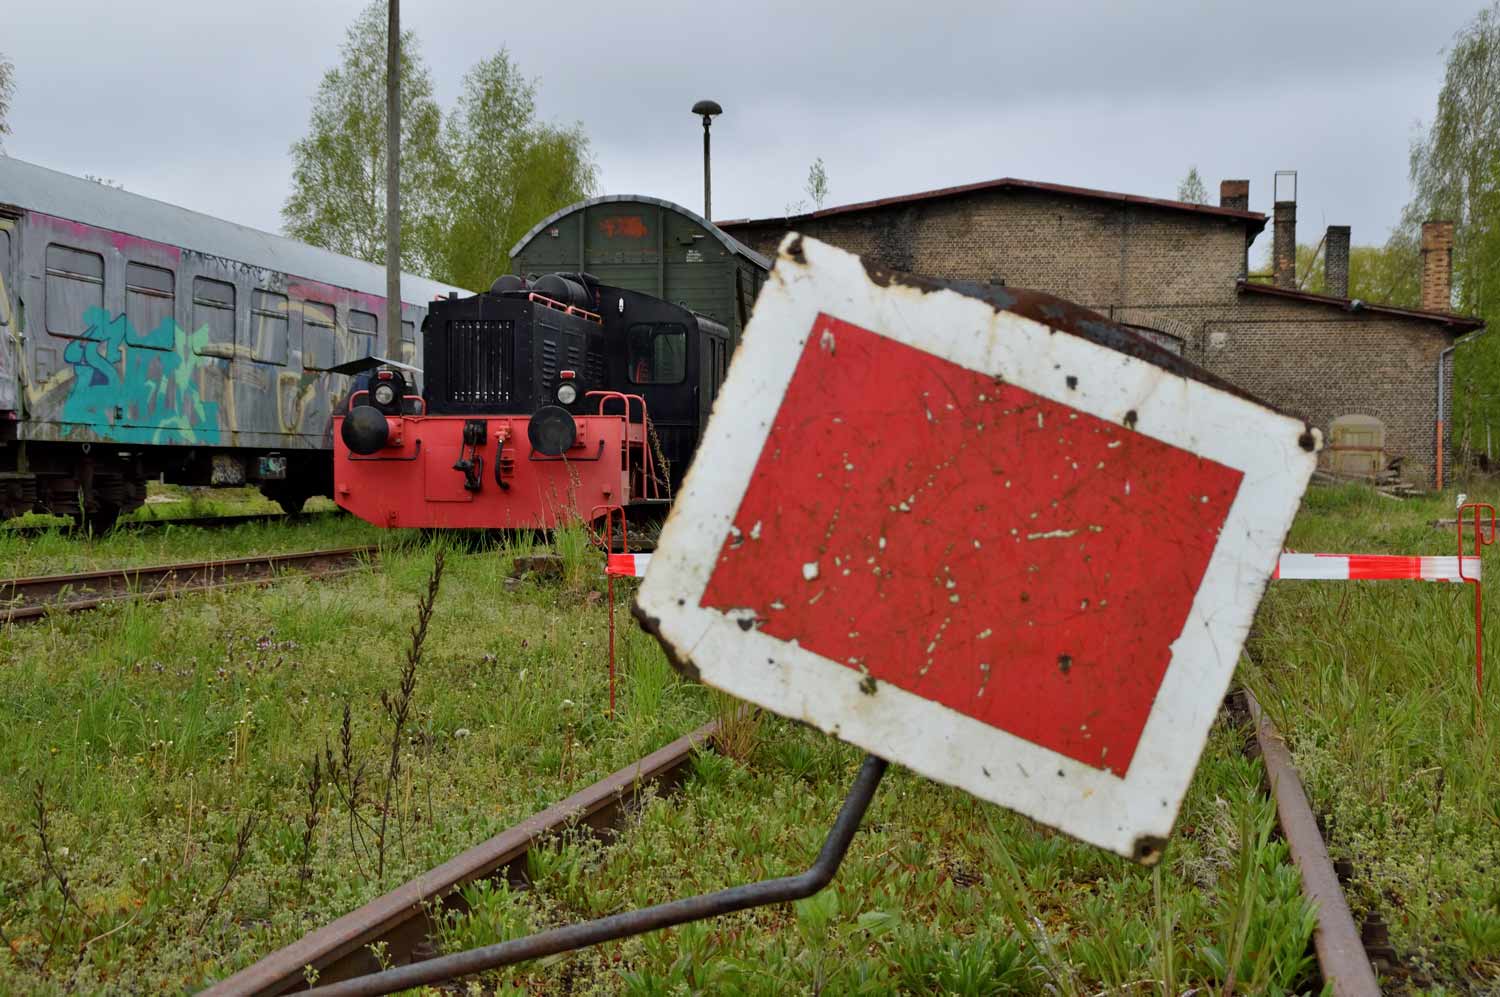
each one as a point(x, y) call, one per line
point(384, 394)
point(567, 394)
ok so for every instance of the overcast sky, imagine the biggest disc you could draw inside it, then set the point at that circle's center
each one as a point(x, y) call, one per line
point(197, 102)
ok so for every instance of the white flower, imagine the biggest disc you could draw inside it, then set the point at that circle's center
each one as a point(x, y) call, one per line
point(461, 732)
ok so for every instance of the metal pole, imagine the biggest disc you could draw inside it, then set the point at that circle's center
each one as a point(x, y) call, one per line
point(636, 922)
point(393, 182)
point(707, 209)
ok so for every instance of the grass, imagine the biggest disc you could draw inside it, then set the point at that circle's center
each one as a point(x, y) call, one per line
point(176, 746)
point(196, 773)
point(939, 893)
point(1372, 683)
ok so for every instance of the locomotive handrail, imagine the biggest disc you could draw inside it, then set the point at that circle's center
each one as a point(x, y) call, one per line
point(648, 460)
point(574, 310)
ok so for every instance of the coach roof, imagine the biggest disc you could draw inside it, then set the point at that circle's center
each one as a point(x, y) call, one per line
point(36, 188)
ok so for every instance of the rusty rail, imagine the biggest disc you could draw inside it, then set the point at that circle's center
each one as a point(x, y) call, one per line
point(403, 918)
point(24, 599)
point(1341, 954)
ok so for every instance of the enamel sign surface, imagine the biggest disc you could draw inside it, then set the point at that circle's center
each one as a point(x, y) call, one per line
point(988, 535)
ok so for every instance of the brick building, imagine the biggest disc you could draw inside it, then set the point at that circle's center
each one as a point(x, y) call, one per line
point(1367, 374)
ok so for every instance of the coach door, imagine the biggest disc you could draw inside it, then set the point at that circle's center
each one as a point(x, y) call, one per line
point(10, 335)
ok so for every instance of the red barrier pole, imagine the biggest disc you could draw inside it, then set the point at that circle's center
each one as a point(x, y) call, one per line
point(1481, 540)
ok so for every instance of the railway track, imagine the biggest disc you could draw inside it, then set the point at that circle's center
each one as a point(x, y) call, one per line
point(1341, 954)
point(23, 599)
point(403, 919)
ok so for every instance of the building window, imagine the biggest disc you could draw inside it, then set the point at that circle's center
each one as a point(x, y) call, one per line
point(658, 353)
point(75, 287)
point(150, 298)
point(268, 327)
point(318, 329)
point(213, 317)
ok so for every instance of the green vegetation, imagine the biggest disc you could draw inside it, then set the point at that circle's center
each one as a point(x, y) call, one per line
point(1372, 684)
point(189, 785)
point(939, 892)
point(471, 185)
point(162, 733)
point(62, 549)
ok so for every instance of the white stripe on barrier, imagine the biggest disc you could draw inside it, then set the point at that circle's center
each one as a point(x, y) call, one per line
point(627, 565)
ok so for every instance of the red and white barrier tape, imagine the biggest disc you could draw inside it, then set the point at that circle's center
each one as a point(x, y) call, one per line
point(1381, 567)
point(632, 565)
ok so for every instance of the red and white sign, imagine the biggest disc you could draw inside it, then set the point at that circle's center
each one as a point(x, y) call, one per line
point(978, 541)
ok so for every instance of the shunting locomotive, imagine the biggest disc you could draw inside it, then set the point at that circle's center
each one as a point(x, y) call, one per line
point(542, 401)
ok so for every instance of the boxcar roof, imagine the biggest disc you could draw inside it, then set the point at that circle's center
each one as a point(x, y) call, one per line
point(728, 241)
point(36, 188)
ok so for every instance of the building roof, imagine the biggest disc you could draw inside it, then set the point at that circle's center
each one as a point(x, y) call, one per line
point(36, 188)
point(1455, 325)
point(1253, 220)
point(728, 241)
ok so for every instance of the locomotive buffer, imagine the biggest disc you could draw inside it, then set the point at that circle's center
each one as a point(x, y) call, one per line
point(979, 532)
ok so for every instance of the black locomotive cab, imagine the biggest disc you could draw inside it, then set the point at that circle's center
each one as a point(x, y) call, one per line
point(566, 341)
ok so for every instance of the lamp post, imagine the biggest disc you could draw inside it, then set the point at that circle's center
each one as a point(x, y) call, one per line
point(708, 109)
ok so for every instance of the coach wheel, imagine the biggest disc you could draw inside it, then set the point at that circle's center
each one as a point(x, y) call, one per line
point(290, 500)
point(101, 520)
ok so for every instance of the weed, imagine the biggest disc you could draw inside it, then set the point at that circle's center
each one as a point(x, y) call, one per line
point(397, 708)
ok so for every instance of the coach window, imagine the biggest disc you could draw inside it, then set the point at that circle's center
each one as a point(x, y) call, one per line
point(5, 276)
point(365, 328)
point(75, 291)
point(268, 327)
point(150, 293)
point(658, 353)
point(213, 317)
point(317, 335)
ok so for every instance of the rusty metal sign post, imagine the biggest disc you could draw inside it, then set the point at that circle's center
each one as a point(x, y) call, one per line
point(981, 533)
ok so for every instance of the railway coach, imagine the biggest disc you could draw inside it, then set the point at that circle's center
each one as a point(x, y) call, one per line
point(141, 340)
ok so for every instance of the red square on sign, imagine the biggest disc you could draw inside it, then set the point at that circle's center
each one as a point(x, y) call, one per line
point(1009, 557)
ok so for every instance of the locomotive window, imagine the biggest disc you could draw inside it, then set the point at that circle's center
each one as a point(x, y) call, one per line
point(658, 353)
point(149, 303)
point(317, 335)
point(213, 317)
point(408, 332)
point(268, 327)
point(75, 291)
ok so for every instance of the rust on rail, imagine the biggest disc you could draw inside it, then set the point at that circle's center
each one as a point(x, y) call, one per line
point(402, 918)
point(31, 598)
point(1341, 956)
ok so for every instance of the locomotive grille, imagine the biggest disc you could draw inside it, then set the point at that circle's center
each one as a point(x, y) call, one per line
point(475, 356)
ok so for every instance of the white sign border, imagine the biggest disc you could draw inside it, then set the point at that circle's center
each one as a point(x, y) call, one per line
point(1131, 815)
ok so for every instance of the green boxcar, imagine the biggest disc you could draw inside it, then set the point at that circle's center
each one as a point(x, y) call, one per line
point(653, 246)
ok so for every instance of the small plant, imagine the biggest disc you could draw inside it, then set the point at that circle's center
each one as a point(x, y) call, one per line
point(236, 861)
point(310, 817)
point(398, 707)
point(739, 725)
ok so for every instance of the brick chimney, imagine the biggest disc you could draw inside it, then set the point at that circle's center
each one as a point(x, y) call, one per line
point(1234, 194)
point(1284, 245)
point(1336, 261)
point(1437, 266)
